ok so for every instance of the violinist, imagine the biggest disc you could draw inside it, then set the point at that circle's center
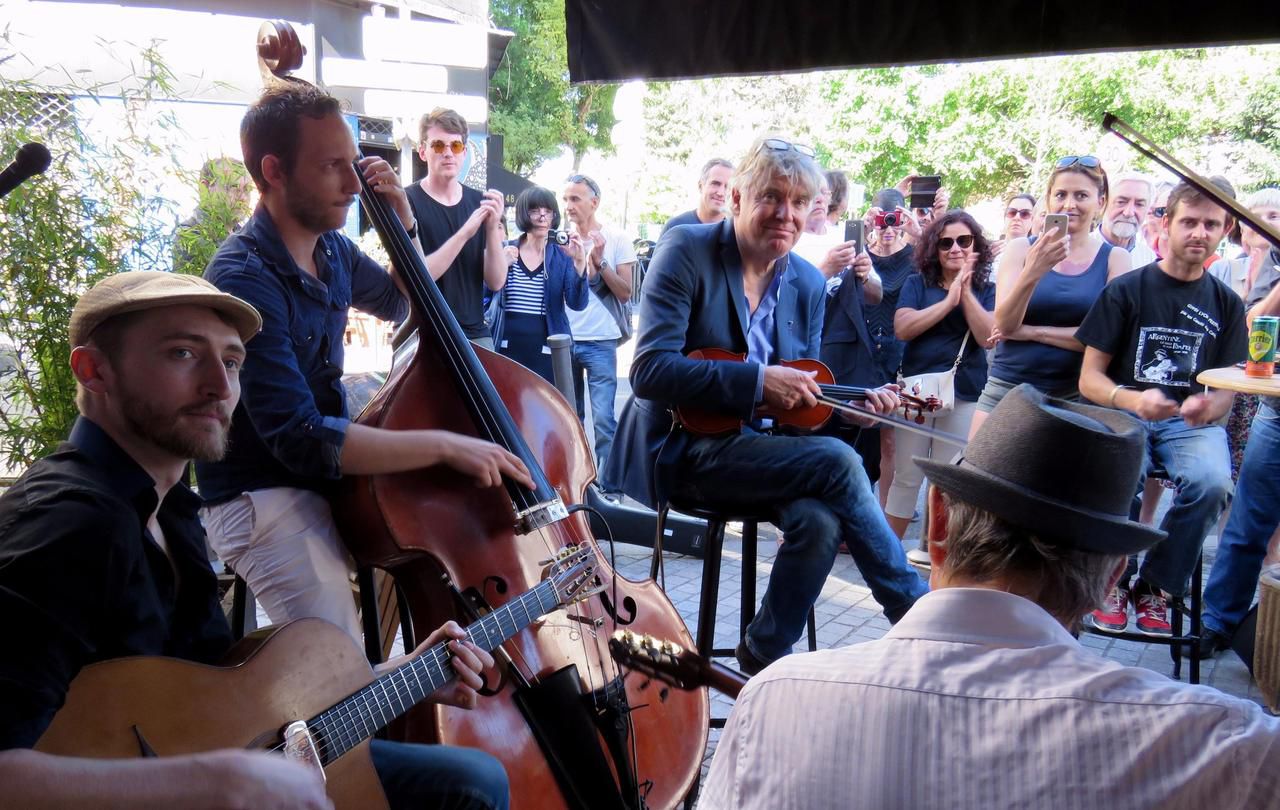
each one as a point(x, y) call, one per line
point(736, 285)
point(102, 556)
point(265, 504)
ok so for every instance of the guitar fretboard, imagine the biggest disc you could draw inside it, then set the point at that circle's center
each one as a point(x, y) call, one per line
point(347, 724)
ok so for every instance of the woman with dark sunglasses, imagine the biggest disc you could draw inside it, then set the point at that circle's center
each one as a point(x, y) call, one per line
point(1045, 286)
point(944, 315)
point(542, 279)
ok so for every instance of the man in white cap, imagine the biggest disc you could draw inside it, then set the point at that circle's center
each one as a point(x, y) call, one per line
point(102, 556)
point(980, 696)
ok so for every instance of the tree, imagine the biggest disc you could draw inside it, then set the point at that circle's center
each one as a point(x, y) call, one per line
point(96, 211)
point(531, 102)
point(990, 128)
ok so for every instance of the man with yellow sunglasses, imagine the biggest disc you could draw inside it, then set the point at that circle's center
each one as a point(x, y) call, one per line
point(459, 226)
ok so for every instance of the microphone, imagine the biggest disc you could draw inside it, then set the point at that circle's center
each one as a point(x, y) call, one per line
point(32, 159)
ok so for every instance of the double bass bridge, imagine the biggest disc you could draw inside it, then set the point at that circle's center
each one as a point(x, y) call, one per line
point(539, 515)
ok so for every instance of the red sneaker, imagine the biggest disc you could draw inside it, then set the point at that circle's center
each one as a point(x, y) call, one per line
point(1152, 610)
point(1113, 616)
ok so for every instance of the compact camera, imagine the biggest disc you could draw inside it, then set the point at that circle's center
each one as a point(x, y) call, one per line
point(559, 237)
point(890, 219)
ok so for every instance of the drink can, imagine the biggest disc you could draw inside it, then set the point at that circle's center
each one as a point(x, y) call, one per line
point(1262, 346)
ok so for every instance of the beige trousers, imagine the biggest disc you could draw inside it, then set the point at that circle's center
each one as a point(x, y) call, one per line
point(284, 544)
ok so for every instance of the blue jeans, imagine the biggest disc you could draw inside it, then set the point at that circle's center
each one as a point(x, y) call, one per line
point(1255, 514)
point(599, 360)
point(1197, 462)
point(819, 496)
point(418, 777)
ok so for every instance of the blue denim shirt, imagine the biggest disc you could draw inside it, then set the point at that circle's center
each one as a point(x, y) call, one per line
point(762, 331)
point(288, 429)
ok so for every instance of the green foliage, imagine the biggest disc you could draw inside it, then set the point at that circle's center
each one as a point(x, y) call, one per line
point(989, 128)
point(223, 203)
point(95, 212)
point(531, 102)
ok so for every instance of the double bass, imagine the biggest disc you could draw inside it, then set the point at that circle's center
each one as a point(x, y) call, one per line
point(570, 728)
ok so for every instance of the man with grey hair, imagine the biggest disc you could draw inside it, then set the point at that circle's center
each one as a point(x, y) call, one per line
point(980, 696)
point(713, 191)
point(1126, 211)
point(736, 285)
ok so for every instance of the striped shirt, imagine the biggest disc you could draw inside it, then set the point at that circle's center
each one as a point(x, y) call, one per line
point(525, 292)
point(979, 699)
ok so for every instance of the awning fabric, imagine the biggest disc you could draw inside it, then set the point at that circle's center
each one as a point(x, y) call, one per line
point(617, 40)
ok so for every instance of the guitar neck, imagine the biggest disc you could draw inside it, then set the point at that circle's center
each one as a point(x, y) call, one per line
point(723, 679)
point(358, 717)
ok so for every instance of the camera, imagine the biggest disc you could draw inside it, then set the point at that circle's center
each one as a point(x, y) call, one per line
point(559, 237)
point(890, 219)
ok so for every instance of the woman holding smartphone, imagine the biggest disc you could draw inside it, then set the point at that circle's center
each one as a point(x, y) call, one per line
point(1045, 286)
point(944, 315)
point(542, 279)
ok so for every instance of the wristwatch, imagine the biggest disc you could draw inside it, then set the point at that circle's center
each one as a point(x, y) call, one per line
point(603, 264)
point(413, 232)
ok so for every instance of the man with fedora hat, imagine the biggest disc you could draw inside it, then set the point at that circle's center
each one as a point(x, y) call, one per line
point(980, 696)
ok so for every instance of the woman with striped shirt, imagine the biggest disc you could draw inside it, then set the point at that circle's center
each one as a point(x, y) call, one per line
point(541, 280)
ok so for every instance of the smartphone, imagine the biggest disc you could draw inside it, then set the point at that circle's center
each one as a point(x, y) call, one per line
point(1058, 221)
point(853, 233)
point(924, 189)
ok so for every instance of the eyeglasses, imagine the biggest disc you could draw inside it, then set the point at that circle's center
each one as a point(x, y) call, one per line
point(1159, 211)
point(1020, 213)
point(456, 147)
point(1087, 161)
point(779, 145)
point(965, 242)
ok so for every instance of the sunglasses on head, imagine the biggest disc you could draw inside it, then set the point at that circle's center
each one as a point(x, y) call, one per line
point(1159, 211)
point(779, 145)
point(1087, 161)
point(456, 147)
point(1020, 213)
point(965, 242)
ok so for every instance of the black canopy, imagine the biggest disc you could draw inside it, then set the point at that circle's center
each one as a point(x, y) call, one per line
point(616, 40)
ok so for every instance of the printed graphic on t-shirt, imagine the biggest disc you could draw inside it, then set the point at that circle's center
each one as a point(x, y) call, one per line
point(1166, 356)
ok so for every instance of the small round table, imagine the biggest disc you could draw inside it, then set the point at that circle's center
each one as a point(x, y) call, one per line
point(1232, 378)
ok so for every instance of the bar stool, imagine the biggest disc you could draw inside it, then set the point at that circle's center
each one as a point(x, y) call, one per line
point(709, 598)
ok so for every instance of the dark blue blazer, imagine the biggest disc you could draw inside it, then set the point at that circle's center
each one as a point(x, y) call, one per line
point(694, 299)
point(564, 287)
point(846, 342)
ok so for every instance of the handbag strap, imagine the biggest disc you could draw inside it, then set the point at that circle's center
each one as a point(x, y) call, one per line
point(963, 343)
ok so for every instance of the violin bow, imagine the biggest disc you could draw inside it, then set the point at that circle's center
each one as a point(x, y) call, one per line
point(933, 433)
point(1138, 141)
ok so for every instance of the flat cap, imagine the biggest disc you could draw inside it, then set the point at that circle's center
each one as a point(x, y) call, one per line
point(139, 290)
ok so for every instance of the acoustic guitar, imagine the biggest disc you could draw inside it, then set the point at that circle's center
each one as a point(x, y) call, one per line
point(308, 693)
point(670, 663)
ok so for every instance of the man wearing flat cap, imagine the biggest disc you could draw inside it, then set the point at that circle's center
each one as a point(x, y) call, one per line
point(980, 696)
point(102, 556)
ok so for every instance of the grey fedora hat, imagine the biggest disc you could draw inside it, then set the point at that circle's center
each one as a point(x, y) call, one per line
point(1064, 471)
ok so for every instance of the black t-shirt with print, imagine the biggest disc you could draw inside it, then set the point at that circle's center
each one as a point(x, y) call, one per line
point(1162, 332)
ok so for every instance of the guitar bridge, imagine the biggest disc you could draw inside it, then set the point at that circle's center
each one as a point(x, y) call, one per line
point(300, 746)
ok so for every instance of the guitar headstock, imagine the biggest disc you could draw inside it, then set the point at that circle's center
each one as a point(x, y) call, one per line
point(663, 660)
point(573, 574)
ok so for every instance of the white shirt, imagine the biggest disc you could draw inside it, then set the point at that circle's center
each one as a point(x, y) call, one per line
point(1141, 254)
point(979, 699)
point(595, 322)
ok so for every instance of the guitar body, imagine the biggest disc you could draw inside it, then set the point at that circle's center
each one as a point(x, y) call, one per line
point(180, 707)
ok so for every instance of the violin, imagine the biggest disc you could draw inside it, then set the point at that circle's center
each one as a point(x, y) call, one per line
point(833, 398)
